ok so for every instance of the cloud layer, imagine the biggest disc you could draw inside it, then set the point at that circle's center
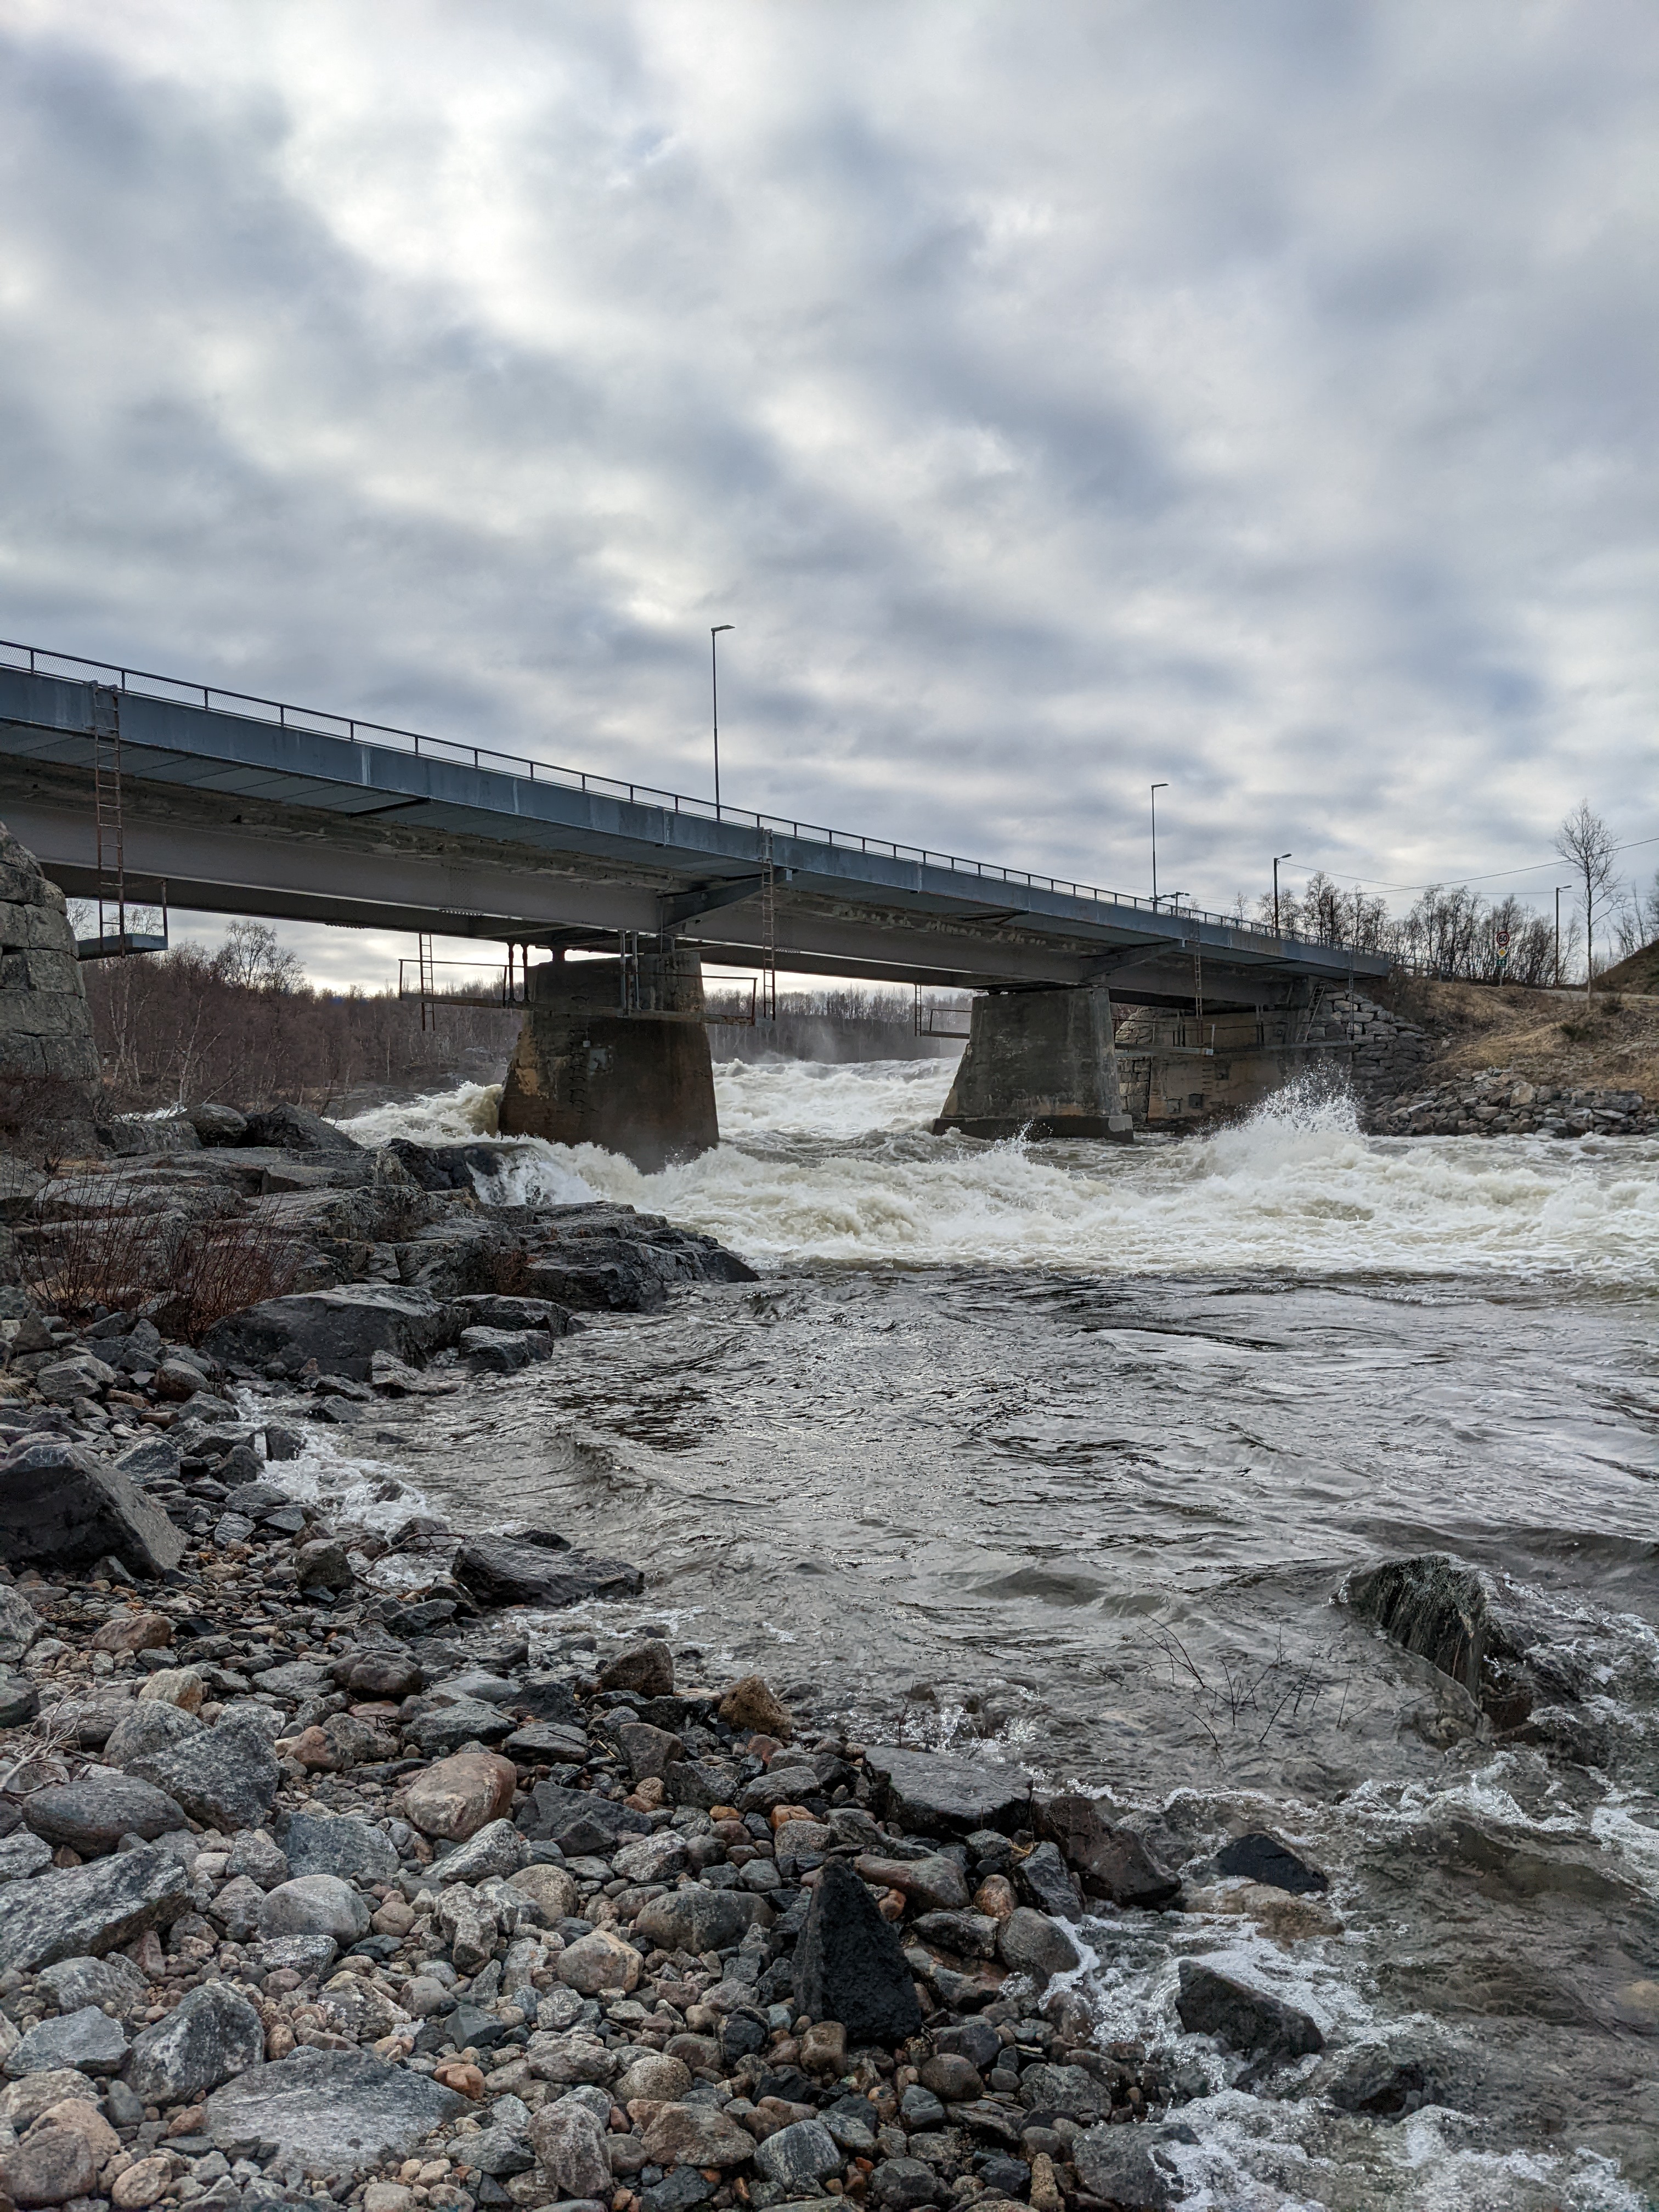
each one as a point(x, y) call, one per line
point(1056, 399)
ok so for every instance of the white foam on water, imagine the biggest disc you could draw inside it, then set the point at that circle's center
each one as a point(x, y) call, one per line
point(837, 1163)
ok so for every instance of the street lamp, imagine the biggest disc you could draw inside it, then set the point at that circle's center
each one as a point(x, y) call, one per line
point(715, 700)
point(1278, 857)
point(1157, 788)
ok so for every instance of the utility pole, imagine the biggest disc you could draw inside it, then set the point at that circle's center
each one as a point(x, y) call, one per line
point(1157, 788)
point(1559, 888)
point(1278, 857)
point(715, 701)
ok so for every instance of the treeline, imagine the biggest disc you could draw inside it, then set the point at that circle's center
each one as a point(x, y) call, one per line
point(837, 1022)
point(242, 1026)
point(1449, 931)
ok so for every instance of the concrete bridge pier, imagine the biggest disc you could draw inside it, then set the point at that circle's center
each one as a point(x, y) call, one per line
point(615, 1053)
point(1042, 1062)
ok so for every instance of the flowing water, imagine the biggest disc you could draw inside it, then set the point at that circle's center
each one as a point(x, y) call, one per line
point(1064, 1451)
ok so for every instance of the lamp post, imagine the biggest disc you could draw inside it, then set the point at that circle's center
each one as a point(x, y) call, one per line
point(1157, 788)
point(1278, 857)
point(715, 701)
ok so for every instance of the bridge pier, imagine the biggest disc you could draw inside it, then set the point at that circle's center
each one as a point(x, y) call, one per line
point(1042, 1062)
point(638, 1081)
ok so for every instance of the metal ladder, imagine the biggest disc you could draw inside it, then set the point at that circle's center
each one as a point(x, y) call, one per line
point(428, 1012)
point(768, 1010)
point(108, 830)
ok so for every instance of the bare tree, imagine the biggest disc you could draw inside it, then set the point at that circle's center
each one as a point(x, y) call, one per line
point(1587, 843)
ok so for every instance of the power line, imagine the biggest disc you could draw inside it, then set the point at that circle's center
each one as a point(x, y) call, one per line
point(1498, 875)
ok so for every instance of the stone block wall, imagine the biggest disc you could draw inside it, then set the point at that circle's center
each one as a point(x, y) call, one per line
point(45, 1026)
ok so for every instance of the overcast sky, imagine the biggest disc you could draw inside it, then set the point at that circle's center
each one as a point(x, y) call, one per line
point(1056, 398)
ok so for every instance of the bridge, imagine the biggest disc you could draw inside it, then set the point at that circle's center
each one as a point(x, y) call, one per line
point(249, 805)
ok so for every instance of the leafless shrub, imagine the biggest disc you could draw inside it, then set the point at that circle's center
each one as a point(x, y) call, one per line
point(98, 1250)
point(1242, 1693)
point(222, 1267)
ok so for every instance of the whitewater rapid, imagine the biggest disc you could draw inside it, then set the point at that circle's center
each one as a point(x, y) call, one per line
point(837, 1163)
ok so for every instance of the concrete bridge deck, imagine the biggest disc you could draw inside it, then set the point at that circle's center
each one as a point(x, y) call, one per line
point(249, 806)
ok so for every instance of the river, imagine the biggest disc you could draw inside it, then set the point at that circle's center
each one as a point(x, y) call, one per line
point(1064, 1451)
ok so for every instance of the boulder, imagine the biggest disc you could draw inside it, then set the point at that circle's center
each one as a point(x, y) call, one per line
point(20, 1624)
point(92, 1814)
point(1242, 2017)
point(568, 2141)
point(502, 1570)
point(292, 1129)
point(210, 2035)
point(86, 1981)
point(751, 1706)
point(1043, 1881)
point(930, 1794)
point(647, 1666)
point(1261, 1858)
point(698, 1918)
point(1113, 1863)
point(225, 1776)
point(86, 2040)
point(1029, 1942)
point(457, 1797)
point(217, 1125)
point(90, 1909)
point(342, 1845)
point(314, 1905)
point(578, 1820)
point(799, 2157)
point(600, 1961)
point(341, 1330)
point(332, 2111)
point(60, 2157)
point(698, 2135)
point(1465, 1626)
point(849, 1963)
point(1131, 2167)
point(61, 1507)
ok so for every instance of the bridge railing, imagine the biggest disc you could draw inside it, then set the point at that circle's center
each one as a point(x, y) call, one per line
point(319, 721)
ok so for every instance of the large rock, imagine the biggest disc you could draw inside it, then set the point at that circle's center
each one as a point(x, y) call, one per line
point(698, 1918)
point(578, 1820)
point(314, 1905)
point(86, 2039)
point(61, 1507)
point(696, 2135)
point(340, 1844)
point(341, 1330)
point(20, 1624)
point(456, 1797)
point(58, 2160)
point(77, 1982)
point(1129, 2167)
point(1113, 1863)
point(1261, 1858)
point(224, 1777)
point(849, 1963)
point(1029, 1942)
point(333, 2113)
point(93, 1814)
point(927, 1792)
point(292, 1129)
point(210, 2035)
point(1241, 2016)
point(502, 1570)
point(90, 1909)
point(600, 1961)
point(799, 2157)
point(1465, 1624)
point(570, 2145)
point(647, 1666)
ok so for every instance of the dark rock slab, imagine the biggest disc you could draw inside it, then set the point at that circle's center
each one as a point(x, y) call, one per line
point(569, 1818)
point(932, 1794)
point(85, 2038)
point(502, 1570)
point(1042, 1880)
point(87, 1911)
point(1242, 2017)
point(93, 1813)
point(210, 2036)
point(19, 1699)
point(1465, 1626)
point(341, 1330)
point(699, 1918)
point(850, 1965)
point(1261, 1858)
point(225, 1776)
point(293, 1129)
point(1129, 2168)
point(1112, 1863)
point(357, 1850)
point(333, 2113)
point(60, 1506)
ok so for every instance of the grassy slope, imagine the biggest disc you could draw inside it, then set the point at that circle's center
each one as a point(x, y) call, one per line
point(1547, 1036)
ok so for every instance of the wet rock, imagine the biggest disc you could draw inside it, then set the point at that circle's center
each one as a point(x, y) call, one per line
point(459, 1795)
point(498, 1849)
point(647, 1666)
point(504, 1571)
point(974, 2040)
point(752, 1707)
point(314, 1905)
point(1029, 1942)
point(1241, 2017)
point(211, 2034)
point(920, 2110)
point(1261, 1858)
point(59, 1506)
point(568, 2141)
point(59, 2158)
point(1065, 2089)
point(339, 1843)
point(849, 1965)
point(1043, 1881)
point(968, 1935)
point(225, 1776)
point(927, 1793)
point(1381, 2083)
point(1457, 1618)
point(696, 2135)
point(85, 2040)
point(1113, 1863)
point(952, 2076)
point(578, 1820)
point(217, 1125)
point(92, 1814)
point(90, 1909)
point(333, 2112)
point(1127, 2167)
point(341, 1330)
point(698, 1918)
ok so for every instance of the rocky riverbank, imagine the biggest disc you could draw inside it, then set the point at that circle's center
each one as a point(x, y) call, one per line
point(1500, 1102)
